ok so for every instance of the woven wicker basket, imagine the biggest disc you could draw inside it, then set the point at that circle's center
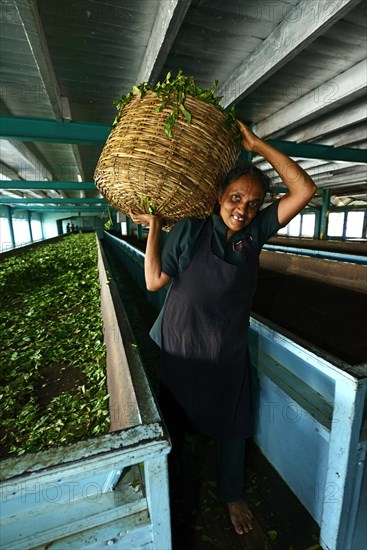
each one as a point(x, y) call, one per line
point(178, 176)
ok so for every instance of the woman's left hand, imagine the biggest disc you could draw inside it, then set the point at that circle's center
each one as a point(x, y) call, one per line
point(249, 139)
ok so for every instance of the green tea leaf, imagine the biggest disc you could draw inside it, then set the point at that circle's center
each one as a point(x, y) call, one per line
point(186, 113)
point(272, 534)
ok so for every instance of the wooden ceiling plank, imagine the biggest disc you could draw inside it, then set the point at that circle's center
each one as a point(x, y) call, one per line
point(302, 25)
point(355, 135)
point(30, 20)
point(31, 23)
point(345, 87)
point(333, 122)
point(321, 171)
point(170, 16)
point(25, 159)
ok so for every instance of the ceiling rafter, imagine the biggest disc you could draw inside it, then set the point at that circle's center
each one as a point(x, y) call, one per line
point(169, 18)
point(317, 171)
point(303, 24)
point(347, 86)
point(21, 151)
point(355, 136)
point(31, 22)
point(332, 122)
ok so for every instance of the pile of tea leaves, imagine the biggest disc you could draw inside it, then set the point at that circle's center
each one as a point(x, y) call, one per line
point(53, 387)
point(173, 91)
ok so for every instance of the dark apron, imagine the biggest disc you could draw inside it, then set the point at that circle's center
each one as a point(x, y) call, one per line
point(204, 340)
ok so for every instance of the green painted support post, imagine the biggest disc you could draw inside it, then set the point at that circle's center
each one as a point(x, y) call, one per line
point(140, 232)
point(42, 231)
point(364, 230)
point(128, 226)
point(326, 195)
point(11, 228)
point(29, 217)
point(245, 156)
point(345, 225)
point(317, 226)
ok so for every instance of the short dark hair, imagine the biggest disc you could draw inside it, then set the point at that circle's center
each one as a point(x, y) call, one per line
point(245, 169)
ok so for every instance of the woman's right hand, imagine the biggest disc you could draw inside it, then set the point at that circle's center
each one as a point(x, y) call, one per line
point(145, 219)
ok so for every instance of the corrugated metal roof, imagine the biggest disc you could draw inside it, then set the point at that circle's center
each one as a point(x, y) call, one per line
point(292, 68)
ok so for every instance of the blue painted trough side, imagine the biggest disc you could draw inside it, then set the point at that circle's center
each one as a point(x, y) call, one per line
point(311, 421)
point(350, 258)
point(109, 491)
point(311, 425)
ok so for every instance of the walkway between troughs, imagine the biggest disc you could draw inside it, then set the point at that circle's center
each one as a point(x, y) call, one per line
point(199, 520)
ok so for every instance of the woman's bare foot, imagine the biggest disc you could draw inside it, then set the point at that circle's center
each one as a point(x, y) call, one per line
point(241, 516)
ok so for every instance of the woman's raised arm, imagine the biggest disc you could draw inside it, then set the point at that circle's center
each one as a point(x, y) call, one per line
point(301, 188)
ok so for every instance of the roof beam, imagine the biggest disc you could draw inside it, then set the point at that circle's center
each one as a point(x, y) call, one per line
point(47, 185)
point(354, 135)
point(84, 132)
point(30, 19)
point(54, 201)
point(32, 25)
point(53, 131)
point(345, 87)
point(301, 26)
point(14, 150)
point(170, 16)
point(331, 123)
point(317, 151)
point(21, 159)
point(81, 208)
point(328, 169)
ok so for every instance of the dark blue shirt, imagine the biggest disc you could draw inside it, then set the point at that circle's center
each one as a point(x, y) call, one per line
point(181, 243)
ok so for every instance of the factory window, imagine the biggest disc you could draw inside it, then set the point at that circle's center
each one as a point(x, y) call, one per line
point(22, 235)
point(36, 230)
point(354, 227)
point(308, 225)
point(303, 225)
point(335, 224)
point(5, 238)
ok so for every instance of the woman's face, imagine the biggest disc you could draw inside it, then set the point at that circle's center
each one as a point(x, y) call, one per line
point(239, 202)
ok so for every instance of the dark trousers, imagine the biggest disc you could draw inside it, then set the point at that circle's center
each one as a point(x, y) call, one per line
point(231, 469)
point(230, 452)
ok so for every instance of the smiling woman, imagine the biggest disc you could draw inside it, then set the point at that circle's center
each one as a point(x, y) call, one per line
point(240, 200)
point(202, 329)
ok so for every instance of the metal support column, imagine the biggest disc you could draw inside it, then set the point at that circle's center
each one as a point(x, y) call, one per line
point(364, 230)
point(140, 232)
point(41, 220)
point(29, 217)
point(9, 217)
point(326, 196)
point(341, 500)
point(128, 226)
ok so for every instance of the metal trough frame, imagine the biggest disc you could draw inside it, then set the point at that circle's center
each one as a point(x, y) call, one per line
point(109, 491)
point(310, 424)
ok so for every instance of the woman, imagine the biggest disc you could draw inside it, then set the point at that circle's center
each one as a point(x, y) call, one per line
point(202, 328)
